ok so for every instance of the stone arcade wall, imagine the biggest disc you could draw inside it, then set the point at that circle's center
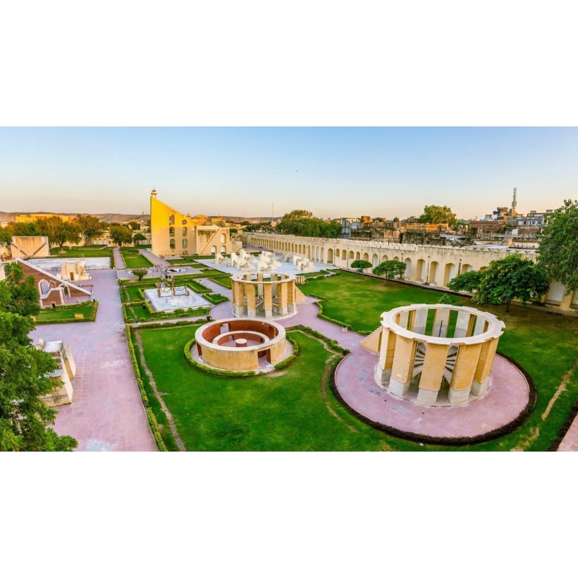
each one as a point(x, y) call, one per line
point(428, 264)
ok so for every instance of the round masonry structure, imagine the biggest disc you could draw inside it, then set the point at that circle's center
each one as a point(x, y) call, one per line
point(240, 344)
point(268, 297)
point(435, 348)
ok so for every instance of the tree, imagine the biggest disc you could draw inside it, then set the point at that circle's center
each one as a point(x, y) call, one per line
point(360, 264)
point(512, 277)
point(558, 250)
point(139, 237)
point(468, 281)
point(24, 372)
point(438, 214)
point(134, 226)
point(447, 300)
point(390, 269)
point(121, 234)
point(5, 237)
point(89, 226)
point(140, 273)
point(304, 224)
point(59, 231)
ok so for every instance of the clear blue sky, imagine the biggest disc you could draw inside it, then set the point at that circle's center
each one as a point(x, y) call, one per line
point(331, 171)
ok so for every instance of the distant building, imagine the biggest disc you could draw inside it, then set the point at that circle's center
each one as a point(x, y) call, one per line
point(32, 217)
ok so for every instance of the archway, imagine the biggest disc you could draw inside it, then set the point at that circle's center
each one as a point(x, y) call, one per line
point(375, 260)
point(420, 270)
point(330, 256)
point(449, 274)
point(408, 268)
point(433, 273)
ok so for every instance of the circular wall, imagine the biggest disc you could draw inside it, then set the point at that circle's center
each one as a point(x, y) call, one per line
point(241, 344)
point(255, 295)
point(437, 354)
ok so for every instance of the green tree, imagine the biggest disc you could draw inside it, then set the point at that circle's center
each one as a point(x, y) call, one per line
point(468, 281)
point(134, 226)
point(558, 250)
point(438, 214)
point(139, 237)
point(447, 300)
point(121, 234)
point(390, 269)
point(5, 237)
point(512, 277)
point(360, 264)
point(24, 371)
point(304, 224)
point(89, 226)
point(140, 273)
point(59, 231)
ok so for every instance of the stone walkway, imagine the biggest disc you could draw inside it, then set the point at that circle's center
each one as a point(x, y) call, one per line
point(157, 261)
point(118, 262)
point(570, 441)
point(107, 413)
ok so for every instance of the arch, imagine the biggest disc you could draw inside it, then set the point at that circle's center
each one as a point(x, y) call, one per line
point(184, 231)
point(408, 268)
point(43, 287)
point(213, 250)
point(396, 258)
point(185, 243)
point(375, 260)
point(336, 253)
point(309, 253)
point(420, 270)
point(466, 267)
point(172, 244)
point(223, 238)
point(330, 255)
point(171, 231)
point(449, 273)
point(322, 254)
point(434, 267)
point(351, 254)
point(366, 256)
point(384, 259)
point(223, 250)
point(358, 255)
point(171, 219)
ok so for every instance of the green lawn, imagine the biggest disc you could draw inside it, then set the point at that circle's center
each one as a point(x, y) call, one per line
point(283, 411)
point(134, 260)
point(544, 343)
point(65, 314)
point(89, 251)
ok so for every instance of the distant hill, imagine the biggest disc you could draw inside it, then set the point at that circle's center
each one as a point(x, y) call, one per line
point(107, 217)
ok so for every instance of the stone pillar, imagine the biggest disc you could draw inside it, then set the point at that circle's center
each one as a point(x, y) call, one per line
point(419, 321)
point(268, 300)
point(238, 299)
point(462, 324)
point(484, 367)
point(466, 364)
point(282, 292)
point(432, 373)
point(386, 351)
point(291, 297)
point(403, 360)
point(441, 321)
point(260, 284)
point(251, 301)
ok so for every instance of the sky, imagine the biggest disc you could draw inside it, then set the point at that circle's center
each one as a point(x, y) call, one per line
point(332, 172)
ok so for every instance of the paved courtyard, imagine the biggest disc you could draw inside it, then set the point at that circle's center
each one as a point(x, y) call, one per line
point(106, 413)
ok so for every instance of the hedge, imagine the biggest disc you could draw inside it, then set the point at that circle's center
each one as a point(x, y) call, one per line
point(153, 423)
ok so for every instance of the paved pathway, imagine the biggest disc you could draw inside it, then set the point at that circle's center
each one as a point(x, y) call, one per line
point(570, 441)
point(118, 262)
point(106, 413)
point(154, 259)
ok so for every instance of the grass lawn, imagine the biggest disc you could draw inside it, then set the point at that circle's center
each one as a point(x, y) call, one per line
point(134, 260)
point(89, 251)
point(544, 343)
point(282, 411)
point(66, 314)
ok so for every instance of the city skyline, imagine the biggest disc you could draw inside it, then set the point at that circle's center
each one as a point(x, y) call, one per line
point(257, 172)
